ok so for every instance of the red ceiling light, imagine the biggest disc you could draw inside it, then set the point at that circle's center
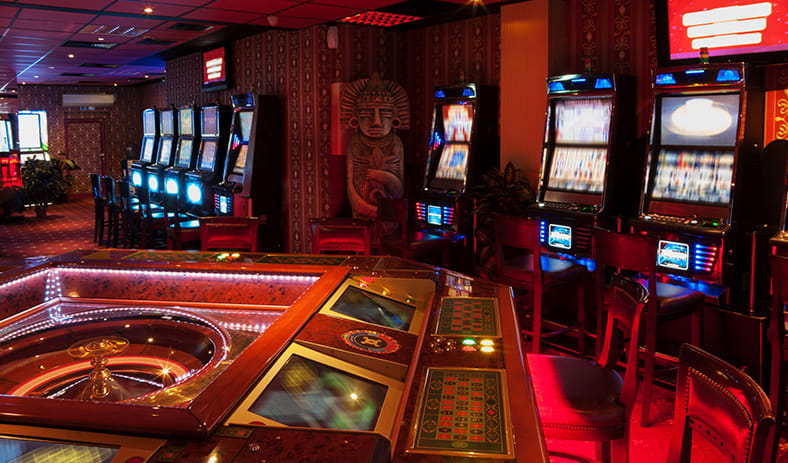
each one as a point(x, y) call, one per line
point(377, 18)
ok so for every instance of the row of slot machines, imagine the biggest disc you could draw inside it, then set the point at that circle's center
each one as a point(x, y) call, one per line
point(211, 156)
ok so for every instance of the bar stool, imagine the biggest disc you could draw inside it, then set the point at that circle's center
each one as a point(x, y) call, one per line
point(229, 233)
point(638, 254)
point(778, 345)
point(99, 209)
point(112, 221)
point(396, 237)
point(341, 235)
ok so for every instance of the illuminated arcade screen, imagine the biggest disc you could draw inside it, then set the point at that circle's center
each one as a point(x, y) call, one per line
point(165, 150)
point(149, 122)
point(147, 149)
point(583, 120)
point(726, 27)
point(185, 153)
point(245, 121)
point(559, 236)
point(453, 162)
point(578, 169)
point(26, 450)
point(186, 122)
point(210, 121)
point(458, 122)
point(240, 161)
point(166, 122)
point(6, 137)
point(208, 155)
point(673, 255)
point(694, 176)
point(371, 308)
point(707, 120)
point(32, 130)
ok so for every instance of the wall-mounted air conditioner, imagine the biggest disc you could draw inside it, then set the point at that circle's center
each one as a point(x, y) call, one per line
point(88, 99)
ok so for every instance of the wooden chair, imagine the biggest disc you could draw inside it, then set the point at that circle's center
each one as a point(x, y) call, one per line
point(777, 344)
point(720, 403)
point(586, 400)
point(522, 263)
point(638, 254)
point(154, 225)
point(229, 233)
point(180, 228)
point(341, 235)
point(99, 209)
point(395, 237)
point(130, 215)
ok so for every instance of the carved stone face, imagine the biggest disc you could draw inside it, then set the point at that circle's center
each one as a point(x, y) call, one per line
point(375, 119)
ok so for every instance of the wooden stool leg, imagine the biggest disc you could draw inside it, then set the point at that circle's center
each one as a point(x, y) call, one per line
point(536, 343)
point(648, 367)
point(581, 319)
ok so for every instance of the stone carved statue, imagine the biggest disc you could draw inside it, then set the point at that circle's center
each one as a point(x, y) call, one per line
point(375, 157)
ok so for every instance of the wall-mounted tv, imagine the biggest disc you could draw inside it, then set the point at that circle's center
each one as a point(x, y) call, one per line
point(208, 157)
point(214, 69)
point(699, 120)
point(732, 30)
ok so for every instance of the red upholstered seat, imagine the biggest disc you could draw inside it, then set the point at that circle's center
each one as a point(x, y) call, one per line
point(342, 235)
point(778, 347)
point(228, 233)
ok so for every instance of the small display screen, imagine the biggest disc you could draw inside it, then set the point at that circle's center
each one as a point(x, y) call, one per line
point(240, 161)
point(149, 122)
point(458, 122)
point(27, 450)
point(578, 169)
point(165, 150)
point(245, 122)
point(29, 131)
point(583, 120)
point(453, 162)
point(166, 122)
point(673, 255)
point(186, 122)
point(208, 158)
point(704, 120)
point(559, 236)
point(147, 149)
point(371, 308)
point(224, 205)
point(210, 121)
point(306, 393)
point(185, 152)
point(694, 176)
point(435, 215)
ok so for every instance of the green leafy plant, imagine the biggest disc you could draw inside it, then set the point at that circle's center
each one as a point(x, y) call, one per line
point(44, 181)
point(12, 199)
point(502, 192)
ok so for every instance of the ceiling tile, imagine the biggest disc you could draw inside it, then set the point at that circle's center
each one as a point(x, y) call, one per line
point(325, 12)
point(8, 12)
point(158, 9)
point(46, 25)
point(288, 22)
point(267, 7)
point(214, 14)
point(359, 4)
point(57, 16)
point(80, 4)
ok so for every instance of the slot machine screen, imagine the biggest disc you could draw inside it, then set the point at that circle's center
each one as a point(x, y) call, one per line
point(147, 149)
point(245, 121)
point(701, 120)
point(673, 255)
point(458, 122)
point(166, 122)
point(453, 162)
point(240, 161)
point(184, 158)
point(6, 138)
point(29, 131)
point(372, 308)
point(149, 122)
point(578, 169)
point(165, 150)
point(186, 122)
point(208, 155)
point(210, 121)
point(559, 236)
point(21, 450)
point(582, 120)
point(693, 176)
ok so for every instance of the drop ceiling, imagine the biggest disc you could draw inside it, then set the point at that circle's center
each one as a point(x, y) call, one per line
point(116, 42)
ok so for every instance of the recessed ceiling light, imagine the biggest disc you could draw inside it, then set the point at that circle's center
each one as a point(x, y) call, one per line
point(51, 67)
point(148, 10)
point(146, 76)
point(35, 77)
point(70, 55)
point(100, 39)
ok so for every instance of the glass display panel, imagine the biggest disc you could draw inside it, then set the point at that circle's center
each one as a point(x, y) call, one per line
point(185, 152)
point(371, 308)
point(559, 236)
point(674, 255)
point(583, 120)
point(458, 122)
point(700, 120)
point(166, 122)
point(434, 215)
point(210, 121)
point(245, 122)
point(149, 122)
point(453, 162)
point(240, 161)
point(6, 138)
point(694, 176)
point(578, 169)
point(208, 158)
point(19, 450)
point(147, 149)
point(165, 150)
point(29, 131)
point(307, 393)
point(186, 121)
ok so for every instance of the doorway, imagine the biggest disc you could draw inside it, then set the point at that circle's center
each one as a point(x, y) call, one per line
point(85, 145)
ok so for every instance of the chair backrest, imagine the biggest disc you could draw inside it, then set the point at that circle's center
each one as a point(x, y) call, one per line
point(229, 233)
point(108, 189)
point(392, 221)
point(124, 195)
point(517, 249)
point(341, 235)
point(95, 184)
point(636, 253)
point(722, 404)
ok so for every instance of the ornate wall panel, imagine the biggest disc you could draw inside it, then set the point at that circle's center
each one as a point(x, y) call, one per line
point(776, 114)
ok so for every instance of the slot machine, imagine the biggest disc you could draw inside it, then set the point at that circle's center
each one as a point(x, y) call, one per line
point(154, 172)
point(253, 168)
point(775, 156)
point(10, 166)
point(463, 145)
point(586, 177)
point(185, 152)
point(214, 131)
point(700, 176)
point(150, 141)
point(32, 136)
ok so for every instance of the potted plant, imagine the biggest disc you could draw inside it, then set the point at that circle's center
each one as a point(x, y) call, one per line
point(44, 181)
point(502, 192)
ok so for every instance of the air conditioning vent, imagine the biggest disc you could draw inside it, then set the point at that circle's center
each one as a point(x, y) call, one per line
point(150, 41)
point(78, 74)
point(125, 31)
point(99, 65)
point(88, 99)
point(84, 44)
point(191, 27)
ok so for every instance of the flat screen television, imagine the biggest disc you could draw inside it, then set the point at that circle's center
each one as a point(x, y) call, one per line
point(240, 160)
point(149, 122)
point(210, 121)
point(214, 69)
point(245, 124)
point(578, 169)
point(699, 120)
point(453, 163)
point(732, 30)
point(582, 120)
point(306, 388)
point(186, 122)
point(208, 157)
point(147, 149)
point(457, 122)
point(185, 151)
point(165, 151)
point(694, 176)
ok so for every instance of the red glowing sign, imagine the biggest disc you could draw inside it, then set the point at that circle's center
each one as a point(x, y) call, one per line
point(214, 69)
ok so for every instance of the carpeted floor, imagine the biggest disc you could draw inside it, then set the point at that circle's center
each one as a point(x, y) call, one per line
point(69, 226)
